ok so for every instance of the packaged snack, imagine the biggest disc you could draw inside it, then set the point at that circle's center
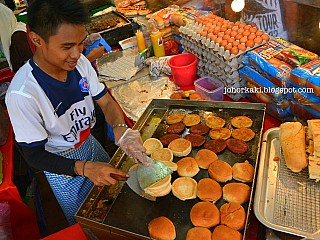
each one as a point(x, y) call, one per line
point(304, 112)
point(301, 75)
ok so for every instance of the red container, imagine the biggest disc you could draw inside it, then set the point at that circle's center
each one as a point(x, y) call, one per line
point(184, 69)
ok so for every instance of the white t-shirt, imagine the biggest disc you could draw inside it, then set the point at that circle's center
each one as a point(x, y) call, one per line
point(44, 111)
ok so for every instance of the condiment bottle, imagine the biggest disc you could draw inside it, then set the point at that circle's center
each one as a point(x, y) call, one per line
point(140, 41)
point(157, 43)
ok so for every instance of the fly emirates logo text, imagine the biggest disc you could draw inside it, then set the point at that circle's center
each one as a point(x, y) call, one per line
point(81, 121)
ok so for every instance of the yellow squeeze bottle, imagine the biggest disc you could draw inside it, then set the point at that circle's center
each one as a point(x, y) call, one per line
point(157, 43)
point(140, 41)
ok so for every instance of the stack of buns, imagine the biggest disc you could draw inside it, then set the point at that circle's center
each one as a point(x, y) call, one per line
point(292, 139)
point(180, 147)
point(160, 188)
point(314, 148)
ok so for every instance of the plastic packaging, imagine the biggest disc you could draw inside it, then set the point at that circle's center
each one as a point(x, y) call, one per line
point(140, 41)
point(157, 43)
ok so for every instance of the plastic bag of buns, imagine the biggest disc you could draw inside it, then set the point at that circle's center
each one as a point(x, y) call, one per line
point(277, 58)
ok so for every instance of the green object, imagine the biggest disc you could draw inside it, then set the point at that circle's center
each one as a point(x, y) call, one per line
point(22, 16)
point(154, 172)
point(93, 11)
point(1, 173)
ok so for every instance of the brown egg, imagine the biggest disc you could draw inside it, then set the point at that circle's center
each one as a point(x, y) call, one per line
point(204, 33)
point(223, 43)
point(237, 23)
point(225, 26)
point(225, 37)
point(213, 37)
point(217, 28)
point(230, 40)
point(223, 29)
point(206, 28)
point(235, 43)
point(246, 33)
point(251, 36)
point(219, 23)
point(250, 43)
point(220, 19)
point(228, 31)
point(265, 37)
point(235, 28)
point(221, 34)
point(242, 47)
point(233, 33)
point(228, 47)
point(218, 40)
point(258, 40)
point(238, 36)
point(230, 24)
point(211, 30)
point(234, 50)
point(247, 27)
point(242, 25)
point(259, 33)
point(199, 31)
point(210, 35)
point(253, 29)
point(243, 40)
point(240, 30)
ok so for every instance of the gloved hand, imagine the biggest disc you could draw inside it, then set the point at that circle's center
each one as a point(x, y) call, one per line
point(131, 143)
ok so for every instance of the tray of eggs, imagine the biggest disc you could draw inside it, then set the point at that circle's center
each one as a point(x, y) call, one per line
point(218, 35)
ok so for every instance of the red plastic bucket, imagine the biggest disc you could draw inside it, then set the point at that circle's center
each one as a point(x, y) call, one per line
point(184, 69)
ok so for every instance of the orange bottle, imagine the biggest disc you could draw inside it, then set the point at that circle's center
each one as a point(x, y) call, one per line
point(140, 41)
point(157, 43)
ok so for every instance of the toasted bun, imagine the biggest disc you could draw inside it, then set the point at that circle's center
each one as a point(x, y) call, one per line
point(180, 147)
point(233, 215)
point(220, 171)
point(172, 165)
point(220, 133)
point(151, 145)
point(222, 232)
point(205, 214)
point(209, 190)
point(245, 134)
point(241, 121)
point(162, 228)
point(198, 233)
point(205, 157)
point(243, 172)
point(215, 122)
point(187, 167)
point(236, 192)
point(163, 155)
point(175, 117)
point(292, 139)
point(184, 188)
point(160, 188)
point(191, 120)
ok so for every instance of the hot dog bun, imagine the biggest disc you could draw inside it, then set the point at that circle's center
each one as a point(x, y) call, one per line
point(292, 139)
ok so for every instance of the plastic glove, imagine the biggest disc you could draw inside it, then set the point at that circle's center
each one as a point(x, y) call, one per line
point(131, 143)
point(91, 39)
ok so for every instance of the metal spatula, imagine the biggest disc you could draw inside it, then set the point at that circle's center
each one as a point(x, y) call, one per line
point(154, 172)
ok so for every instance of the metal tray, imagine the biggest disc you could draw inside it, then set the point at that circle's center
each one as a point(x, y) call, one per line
point(284, 200)
point(126, 213)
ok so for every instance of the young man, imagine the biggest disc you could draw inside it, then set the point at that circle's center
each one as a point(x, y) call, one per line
point(51, 108)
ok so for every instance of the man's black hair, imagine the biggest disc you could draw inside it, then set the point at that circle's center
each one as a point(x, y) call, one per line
point(46, 16)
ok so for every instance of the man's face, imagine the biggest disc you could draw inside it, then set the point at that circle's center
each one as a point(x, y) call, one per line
point(63, 50)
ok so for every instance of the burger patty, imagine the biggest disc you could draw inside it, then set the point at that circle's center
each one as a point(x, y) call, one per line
point(200, 129)
point(176, 128)
point(237, 146)
point(217, 145)
point(168, 138)
point(195, 139)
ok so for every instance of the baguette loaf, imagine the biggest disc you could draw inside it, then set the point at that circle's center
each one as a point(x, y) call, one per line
point(292, 139)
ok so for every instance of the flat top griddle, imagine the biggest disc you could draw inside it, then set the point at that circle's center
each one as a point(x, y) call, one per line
point(131, 213)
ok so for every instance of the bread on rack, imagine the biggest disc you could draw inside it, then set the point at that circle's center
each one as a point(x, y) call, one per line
point(292, 139)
